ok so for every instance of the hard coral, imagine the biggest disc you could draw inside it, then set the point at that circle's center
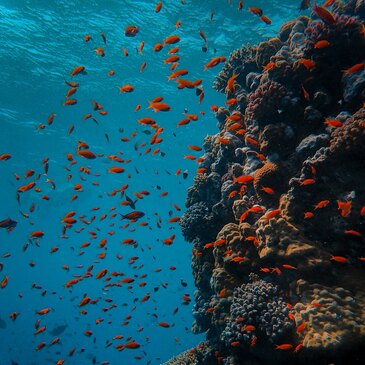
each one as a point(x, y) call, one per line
point(198, 221)
point(206, 188)
point(265, 50)
point(349, 140)
point(269, 175)
point(265, 102)
point(241, 62)
point(187, 357)
point(333, 317)
point(261, 304)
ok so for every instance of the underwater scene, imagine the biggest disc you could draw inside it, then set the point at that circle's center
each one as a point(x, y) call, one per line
point(182, 182)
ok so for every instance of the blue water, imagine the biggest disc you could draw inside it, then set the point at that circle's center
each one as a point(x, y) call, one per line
point(41, 43)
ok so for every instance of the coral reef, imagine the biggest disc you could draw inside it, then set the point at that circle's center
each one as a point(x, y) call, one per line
point(277, 219)
point(185, 358)
point(332, 316)
point(258, 309)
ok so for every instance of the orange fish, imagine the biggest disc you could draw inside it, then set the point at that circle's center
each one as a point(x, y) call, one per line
point(354, 68)
point(307, 182)
point(172, 39)
point(70, 102)
point(334, 123)
point(5, 156)
point(230, 83)
point(4, 282)
point(43, 311)
point(125, 52)
point(131, 31)
point(321, 44)
point(256, 11)
point(340, 259)
point(77, 70)
point(100, 52)
point(269, 66)
point(214, 62)
point(272, 214)
point(301, 327)
point(307, 63)
point(159, 107)
point(141, 45)
point(265, 19)
point(243, 179)
point(353, 233)
point(344, 207)
point(248, 328)
point(171, 59)
point(284, 346)
point(239, 259)
point(86, 154)
point(268, 190)
point(101, 274)
point(163, 324)
point(321, 204)
point(323, 14)
point(157, 47)
point(143, 66)
point(37, 234)
point(158, 6)
point(126, 88)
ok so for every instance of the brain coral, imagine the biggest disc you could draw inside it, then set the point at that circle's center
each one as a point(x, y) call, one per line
point(333, 317)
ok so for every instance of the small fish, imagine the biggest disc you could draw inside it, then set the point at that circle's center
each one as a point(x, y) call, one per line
point(131, 31)
point(355, 68)
point(158, 7)
point(340, 259)
point(323, 14)
point(321, 44)
point(125, 88)
point(256, 11)
point(77, 70)
point(344, 207)
point(133, 215)
point(214, 62)
point(284, 346)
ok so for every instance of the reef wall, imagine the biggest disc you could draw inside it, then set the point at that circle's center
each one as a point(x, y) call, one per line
point(276, 214)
